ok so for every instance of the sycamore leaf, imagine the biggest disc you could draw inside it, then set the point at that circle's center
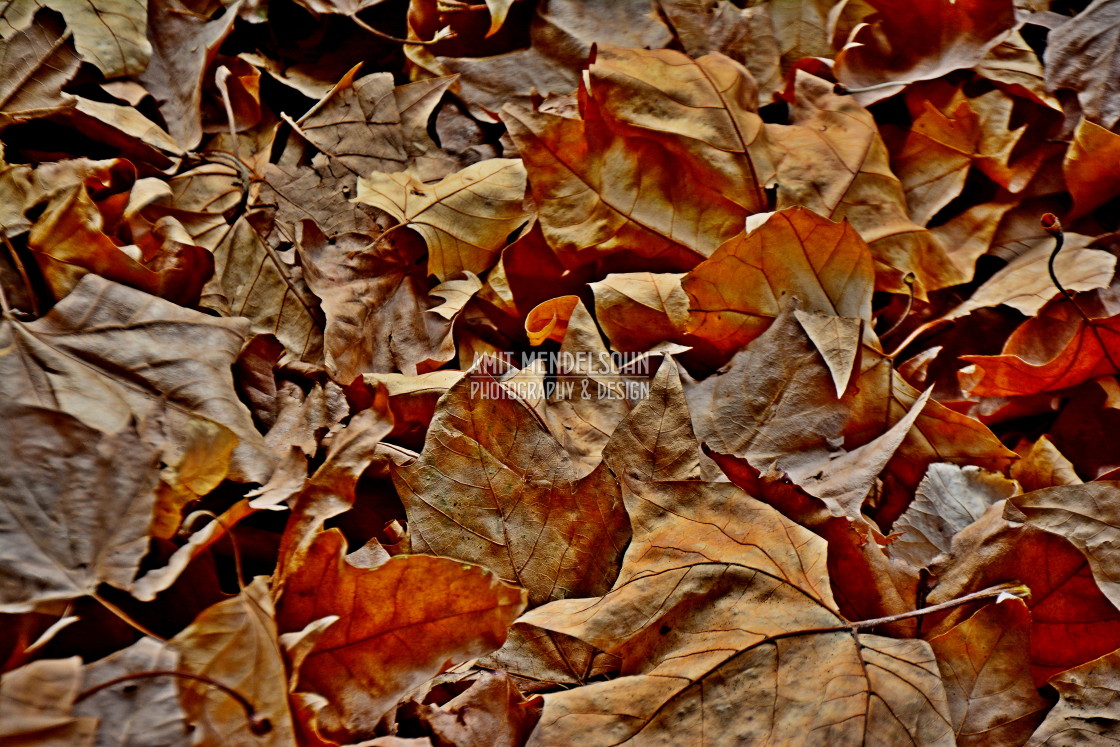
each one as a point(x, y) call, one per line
point(1088, 516)
point(39, 61)
point(1081, 55)
point(235, 642)
point(906, 42)
point(1086, 354)
point(707, 623)
point(408, 618)
point(492, 486)
point(107, 353)
point(35, 703)
point(1090, 166)
point(736, 293)
point(834, 162)
point(75, 506)
point(183, 43)
point(110, 34)
point(465, 218)
point(987, 676)
point(638, 310)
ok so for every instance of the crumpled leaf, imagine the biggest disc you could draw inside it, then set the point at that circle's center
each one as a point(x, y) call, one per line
point(737, 292)
point(1081, 56)
point(408, 617)
point(75, 506)
point(110, 34)
point(35, 704)
point(73, 359)
point(490, 713)
point(904, 42)
point(987, 676)
point(465, 218)
point(235, 642)
point(833, 162)
point(948, 499)
point(1086, 707)
point(375, 298)
point(39, 61)
point(183, 42)
point(493, 487)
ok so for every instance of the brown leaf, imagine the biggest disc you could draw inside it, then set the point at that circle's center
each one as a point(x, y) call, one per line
point(1044, 467)
point(408, 618)
point(1080, 56)
point(39, 59)
point(837, 339)
point(1090, 166)
point(948, 499)
point(639, 310)
point(736, 293)
point(465, 218)
point(987, 676)
point(922, 40)
point(109, 34)
point(35, 704)
point(235, 642)
point(491, 713)
point(493, 487)
point(253, 280)
point(708, 622)
point(183, 42)
point(75, 506)
point(107, 353)
point(834, 162)
point(1086, 709)
point(375, 298)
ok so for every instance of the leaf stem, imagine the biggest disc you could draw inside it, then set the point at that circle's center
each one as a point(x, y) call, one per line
point(1053, 226)
point(909, 279)
point(441, 35)
point(258, 724)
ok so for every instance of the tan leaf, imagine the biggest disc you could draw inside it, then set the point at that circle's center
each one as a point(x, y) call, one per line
point(408, 618)
point(493, 487)
point(1044, 467)
point(75, 506)
point(736, 293)
point(465, 218)
point(39, 60)
point(837, 339)
point(234, 642)
point(1080, 55)
point(35, 704)
point(984, 665)
point(1085, 710)
point(638, 310)
point(251, 279)
point(107, 353)
point(833, 161)
point(110, 34)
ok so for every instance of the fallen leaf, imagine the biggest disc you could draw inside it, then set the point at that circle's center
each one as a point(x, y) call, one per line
point(736, 293)
point(110, 34)
point(987, 676)
point(465, 218)
point(35, 705)
point(907, 42)
point(641, 309)
point(107, 353)
point(837, 339)
point(410, 616)
point(1079, 57)
point(1093, 155)
point(234, 642)
point(493, 487)
point(40, 61)
point(490, 713)
point(1044, 467)
point(1085, 706)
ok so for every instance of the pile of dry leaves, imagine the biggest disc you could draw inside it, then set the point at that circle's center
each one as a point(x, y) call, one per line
point(559, 371)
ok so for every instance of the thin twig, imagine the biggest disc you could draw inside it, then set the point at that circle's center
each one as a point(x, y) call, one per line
point(442, 35)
